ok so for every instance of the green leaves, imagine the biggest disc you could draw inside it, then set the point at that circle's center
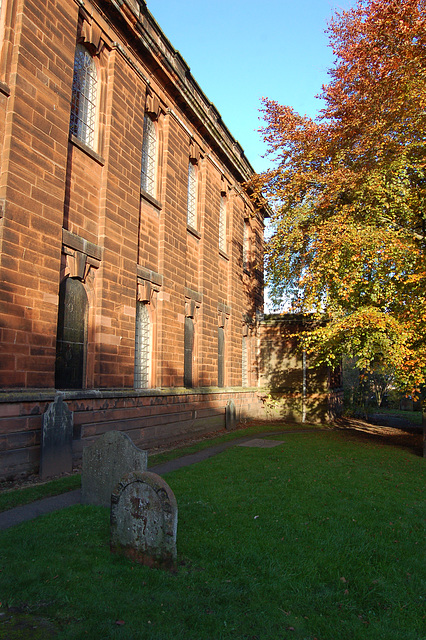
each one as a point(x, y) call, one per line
point(348, 235)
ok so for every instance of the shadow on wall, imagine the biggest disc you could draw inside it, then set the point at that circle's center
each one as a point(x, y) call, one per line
point(250, 266)
point(298, 390)
point(150, 417)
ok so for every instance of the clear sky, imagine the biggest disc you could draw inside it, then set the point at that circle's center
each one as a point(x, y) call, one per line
point(241, 50)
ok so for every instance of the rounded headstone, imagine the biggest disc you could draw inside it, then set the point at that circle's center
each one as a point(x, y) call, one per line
point(144, 520)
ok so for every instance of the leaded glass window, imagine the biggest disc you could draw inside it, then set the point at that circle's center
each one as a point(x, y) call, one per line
point(149, 155)
point(192, 196)
point(220, 357)
point(244, 363)
point(142, 346)
point(246, 246)
point(222, 224)
point(83, 100)
point(188, 351)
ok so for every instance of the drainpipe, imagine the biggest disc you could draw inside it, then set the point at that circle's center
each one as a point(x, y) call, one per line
point(304, 386)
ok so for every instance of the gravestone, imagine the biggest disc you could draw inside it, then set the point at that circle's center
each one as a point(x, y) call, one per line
point(144, 520)
point(56, 439)
point(230, 415)
point(105, 462)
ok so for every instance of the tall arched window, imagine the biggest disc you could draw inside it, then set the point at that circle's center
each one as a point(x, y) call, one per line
point(244, 362)
point(72, 335)
point(83, 100)
point(192, 195)
point(246, 246)
point(142, 346)
point(149, 155)
point(189, 351)
point(222, 223)
point(220, 357)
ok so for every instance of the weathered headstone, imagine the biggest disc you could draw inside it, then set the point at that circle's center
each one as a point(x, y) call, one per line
point(230, 415)
point(105, 462)
point(56, 439)
point(144, 520)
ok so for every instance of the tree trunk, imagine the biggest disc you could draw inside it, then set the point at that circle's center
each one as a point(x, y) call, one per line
point(424, 428)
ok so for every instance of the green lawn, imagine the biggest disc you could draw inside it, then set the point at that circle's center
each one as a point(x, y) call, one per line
point(321, 537)
point(10, 498)
point(414, 417)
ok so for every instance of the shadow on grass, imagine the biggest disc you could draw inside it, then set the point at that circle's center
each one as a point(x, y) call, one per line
point(320, 537)
point(409, 437)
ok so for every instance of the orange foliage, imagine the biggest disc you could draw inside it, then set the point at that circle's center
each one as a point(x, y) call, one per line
point(349, 192)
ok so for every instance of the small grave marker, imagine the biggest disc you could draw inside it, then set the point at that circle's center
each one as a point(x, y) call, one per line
point(56, 439)
point(105, 462)
point(230, 415)
point(144, 520)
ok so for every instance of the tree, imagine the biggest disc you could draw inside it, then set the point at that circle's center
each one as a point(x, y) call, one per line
point(348, 189)
point(381, 381)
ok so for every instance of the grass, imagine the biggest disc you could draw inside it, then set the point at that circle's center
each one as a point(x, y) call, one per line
point(319, 538)
point(166, 456)
point(10, 498)
point(415, 417)
point(17, 497)
point(412, 417)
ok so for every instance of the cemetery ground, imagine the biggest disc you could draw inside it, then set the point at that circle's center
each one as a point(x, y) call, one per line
point(320, 537)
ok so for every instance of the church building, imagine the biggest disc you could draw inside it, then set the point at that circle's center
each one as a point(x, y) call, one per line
point(131, 256)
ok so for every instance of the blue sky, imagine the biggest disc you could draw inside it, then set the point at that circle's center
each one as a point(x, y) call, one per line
point(241, 50)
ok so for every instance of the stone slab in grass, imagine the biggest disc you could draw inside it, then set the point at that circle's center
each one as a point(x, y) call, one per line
point(260, 443)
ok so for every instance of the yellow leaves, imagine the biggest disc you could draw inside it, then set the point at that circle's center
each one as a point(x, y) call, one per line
point(350, 191)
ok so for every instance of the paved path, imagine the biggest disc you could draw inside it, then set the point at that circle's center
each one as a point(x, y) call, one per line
point(30, 511)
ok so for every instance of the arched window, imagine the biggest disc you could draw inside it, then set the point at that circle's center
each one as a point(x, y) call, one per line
point(83, 100)
point(222, 224)
point(149, 155)
point(72, 335)
point(220, 357)
point(192, 195)
point(189, 351)
point(244, 362)
point(246, 246)
point(142, 346)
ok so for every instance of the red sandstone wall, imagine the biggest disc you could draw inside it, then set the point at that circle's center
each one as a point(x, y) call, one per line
point(150, 420)
point(61, 202)
point(51, 183)
point(33, 164)
point(292, 394)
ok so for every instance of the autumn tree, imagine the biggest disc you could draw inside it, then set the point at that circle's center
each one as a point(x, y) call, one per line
point(348, 190)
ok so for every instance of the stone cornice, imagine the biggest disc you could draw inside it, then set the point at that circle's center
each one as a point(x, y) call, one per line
point(151, 39)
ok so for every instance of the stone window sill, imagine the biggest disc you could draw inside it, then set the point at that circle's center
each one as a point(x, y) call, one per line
point(87, 150)
point(223, 254)
point(149, 198)
point(4, 88)
point(194, 232)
